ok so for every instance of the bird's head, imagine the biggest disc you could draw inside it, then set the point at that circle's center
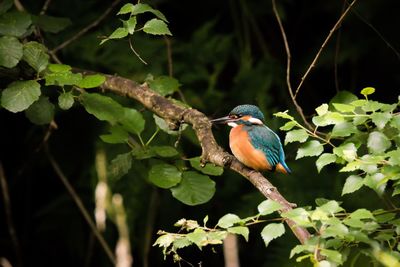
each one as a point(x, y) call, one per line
point(243, 114)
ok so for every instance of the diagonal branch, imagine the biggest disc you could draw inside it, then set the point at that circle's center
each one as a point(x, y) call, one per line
point(211, 151)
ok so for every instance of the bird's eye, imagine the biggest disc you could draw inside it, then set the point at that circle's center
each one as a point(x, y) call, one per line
point(233, 116)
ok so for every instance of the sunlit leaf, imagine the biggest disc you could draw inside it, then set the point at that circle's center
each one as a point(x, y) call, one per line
point(367, 91)
point(343, 107)
point(228, 220)
point(156, 27)
point(268, 206)
point(309, 149)
point(91, 81)
point(322, 110)
point(142, 8)
point(347, 151)
point(380, 119)
point(343, 129)
point(299, 135)
point(378, 142)
point(325, 159)
point(240, 230)
point(283, 115)
point(288, 126)
point(352, 184)
point(19, 95)
point(272, 231)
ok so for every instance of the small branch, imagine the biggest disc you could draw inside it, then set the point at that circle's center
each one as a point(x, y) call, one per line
point(169, 56)
point(335, 27)
point(80, 205)
point(211, 152)
point(18, 5)
point(45, 7)
point(136, 53)
point(288, 63)
point(87, 28)
point(9, 219)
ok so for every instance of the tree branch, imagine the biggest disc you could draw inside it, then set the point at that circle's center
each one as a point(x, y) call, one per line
point(211, 151)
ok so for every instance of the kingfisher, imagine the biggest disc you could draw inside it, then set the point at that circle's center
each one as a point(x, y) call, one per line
point(252, 142)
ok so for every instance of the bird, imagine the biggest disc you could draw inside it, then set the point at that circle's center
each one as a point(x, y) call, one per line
point(252, 142)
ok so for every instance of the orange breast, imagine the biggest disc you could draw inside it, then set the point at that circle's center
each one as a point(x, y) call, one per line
point(244, 151)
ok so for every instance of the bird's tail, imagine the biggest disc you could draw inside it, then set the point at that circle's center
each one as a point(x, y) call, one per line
point(282, 167)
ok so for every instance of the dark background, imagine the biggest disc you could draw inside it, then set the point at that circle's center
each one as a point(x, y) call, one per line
point(224, 53)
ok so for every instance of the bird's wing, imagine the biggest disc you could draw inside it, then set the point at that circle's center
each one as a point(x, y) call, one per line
point(268, 142)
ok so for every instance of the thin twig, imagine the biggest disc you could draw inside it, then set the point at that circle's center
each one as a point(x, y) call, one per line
point(136, 53)
point(288, 63)
point(18, 5)
point(169, 56)
point(335, 27)
point(337, 48)
point(80, 205)
point(9, 219)
point(45, 7)
point(87, 28)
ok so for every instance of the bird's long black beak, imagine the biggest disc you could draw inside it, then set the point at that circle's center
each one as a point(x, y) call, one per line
point(222, 120)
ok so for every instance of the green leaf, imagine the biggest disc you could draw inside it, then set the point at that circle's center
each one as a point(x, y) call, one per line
point(283, 115)
point(14, 23)
point(35, 55)
point(332, 255)
point(41, 111)
point(240, 230)
point(194, 189)
point(298, 215)
point(331, 207)
point(301, 248)
point(163, 125)
point(288, 126)
point(380, 119)
point(299, 135)
point(62, 78)
point(372, 106)
point(309, 149)
point(343, 129)
point(165, 151)
point(344, 108)
point(181, 242)
point(59, 68)
point(268, 206)
point(325, 159)
point(378, 142)
point(164, 175)
point(117, 135)
point(228, 220)
point(164, 240)
point(164, 85)
point(117, 34)
point(102, 107)
point(328, 118)
point(395, 122)
point(127, 8)
point(19, 95)
point(198, 236)
point(10, 51)
point(120, 165)
point(346, 151)
point(352, 184)
point(215, 237)
point(208, 168)
point(367, 91)
point(5, 5)
point(156, 27)
point(132, 120)
point(356, 217)
point(376, 182)
point(142, 8)
point(335, 230)
point(272, 231)
point(322, 110)
point(65, 100)
point(130, 24)
point(351, 166)
point(51, 24)
point(91, 81)
point(344, 97)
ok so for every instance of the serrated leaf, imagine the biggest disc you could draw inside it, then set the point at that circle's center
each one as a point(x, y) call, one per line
point(343, 129)
point(367, 91)
point(351, 166)
point(331, 207)
point(309, 149)
point(164, 240)
point(325, 159)
point(346, 151)
point(197, 237)
point(164, 175)
point(208, 168)
point(57, 68)
point(102, 107)
point(380, 119)
point(62, 78)
point(352, 184)
point(35, 55)
point(288, 126)
point(41, 111)
point(132, 120)
point(343, 107)
point(14, 23)
point(19, 95)
point(395, 122)
point(194, 189)
point(52, 24)
point(181, 242)
point(283, 115)
point(164, 85)
point(156, 27)
point(118, 33)
point(127, 8)
point(165, 151)
point(240, 230)
point(120, 165)
point(142, 8)
point(332, 255)
point(335, 230)
point(322, 110)
point(378, 142)
point(117, 135)
point(372, 106)
point(328, 118)
point(361, 214)
point(301, 248)
point(268, 206)
point(228, 220)
point(272, 231)
point(298, 215)
point(130, 24)
point(91, 81)
point(65, 100)
point(299, 135)
point(10, 51)
point(376, 182)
